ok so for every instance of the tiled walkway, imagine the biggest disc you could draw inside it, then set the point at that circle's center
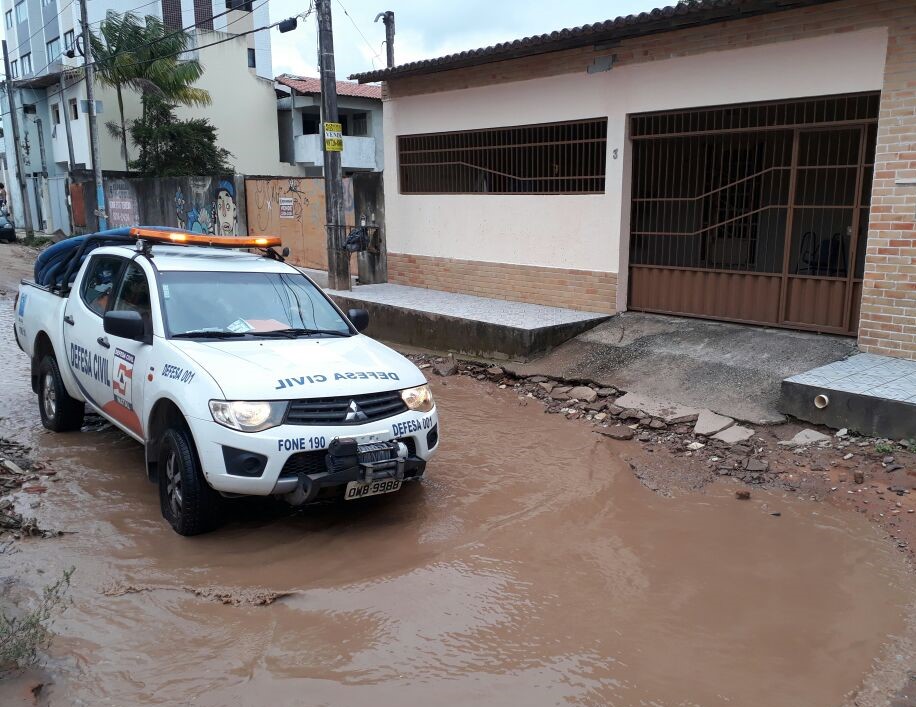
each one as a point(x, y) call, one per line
point(866, 374)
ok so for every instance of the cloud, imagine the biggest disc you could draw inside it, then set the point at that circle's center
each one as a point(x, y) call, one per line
point(289, 57)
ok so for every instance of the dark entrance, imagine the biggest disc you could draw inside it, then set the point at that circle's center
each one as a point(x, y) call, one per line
point(754, 213)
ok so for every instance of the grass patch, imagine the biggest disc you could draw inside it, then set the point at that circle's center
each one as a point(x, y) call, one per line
point(885, 447)
point(34, 241)
point(23, 637)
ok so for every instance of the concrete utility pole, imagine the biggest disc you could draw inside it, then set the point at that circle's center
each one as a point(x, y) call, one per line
point(93, 128)
point(64, 106)
point(14, 122)
point(338, 258)
point(388, 19)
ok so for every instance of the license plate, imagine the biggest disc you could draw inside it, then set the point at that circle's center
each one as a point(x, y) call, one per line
point(360, 489)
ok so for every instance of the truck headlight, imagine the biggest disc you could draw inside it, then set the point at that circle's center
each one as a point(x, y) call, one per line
point(248, 416)
point(419, 398)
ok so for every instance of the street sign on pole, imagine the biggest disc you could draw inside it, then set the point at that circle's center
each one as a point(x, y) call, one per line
point(333, 137)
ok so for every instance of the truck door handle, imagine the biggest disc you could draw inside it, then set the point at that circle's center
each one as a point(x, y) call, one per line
point(68, 319)
point(103, 341)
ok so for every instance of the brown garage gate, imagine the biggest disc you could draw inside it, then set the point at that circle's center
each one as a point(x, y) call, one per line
point(754, 213)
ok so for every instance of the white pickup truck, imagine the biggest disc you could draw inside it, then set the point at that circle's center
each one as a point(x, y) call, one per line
point(237, 373)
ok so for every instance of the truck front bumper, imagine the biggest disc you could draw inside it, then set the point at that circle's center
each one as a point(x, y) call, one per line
point(293, 458)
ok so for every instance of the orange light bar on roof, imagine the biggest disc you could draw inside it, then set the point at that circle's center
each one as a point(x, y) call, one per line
point(186, 238)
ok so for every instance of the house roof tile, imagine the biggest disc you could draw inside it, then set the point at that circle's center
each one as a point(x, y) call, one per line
point(310, 85)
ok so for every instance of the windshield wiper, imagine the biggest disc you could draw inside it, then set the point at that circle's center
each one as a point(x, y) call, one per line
point(293, 332)
point(204, 334)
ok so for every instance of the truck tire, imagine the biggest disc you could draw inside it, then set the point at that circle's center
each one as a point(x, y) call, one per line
point(187, 501)
point(59, 412)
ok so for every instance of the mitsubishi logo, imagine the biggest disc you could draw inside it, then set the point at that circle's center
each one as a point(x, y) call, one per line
point(354, 414)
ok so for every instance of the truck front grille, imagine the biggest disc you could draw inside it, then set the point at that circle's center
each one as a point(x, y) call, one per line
point(340, 410)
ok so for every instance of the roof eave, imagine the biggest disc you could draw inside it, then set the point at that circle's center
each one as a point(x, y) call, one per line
point(656, 22)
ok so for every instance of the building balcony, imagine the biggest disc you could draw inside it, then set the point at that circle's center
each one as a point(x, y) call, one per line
point(358, 152)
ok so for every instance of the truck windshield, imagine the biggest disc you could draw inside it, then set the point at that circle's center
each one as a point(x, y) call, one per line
point(239, 304)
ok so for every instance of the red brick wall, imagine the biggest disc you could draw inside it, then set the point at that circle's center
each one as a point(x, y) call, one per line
point(888, 316)
point(556, 287)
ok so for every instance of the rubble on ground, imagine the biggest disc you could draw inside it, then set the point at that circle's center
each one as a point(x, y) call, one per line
point(18, 473)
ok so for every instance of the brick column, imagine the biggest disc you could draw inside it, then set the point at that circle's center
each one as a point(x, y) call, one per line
point(888, 319)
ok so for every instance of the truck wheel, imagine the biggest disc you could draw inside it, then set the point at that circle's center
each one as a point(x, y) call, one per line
point(187, 501)
point(59, 412)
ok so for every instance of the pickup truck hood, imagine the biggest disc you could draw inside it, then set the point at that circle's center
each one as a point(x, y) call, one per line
point(280, 369)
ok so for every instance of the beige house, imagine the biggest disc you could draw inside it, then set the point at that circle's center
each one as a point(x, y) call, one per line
point(742, 160)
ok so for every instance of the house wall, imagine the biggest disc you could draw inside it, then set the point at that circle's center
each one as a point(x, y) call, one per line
point(835, 48)
point(243, 108)
point(582, 233)
point(364, 154)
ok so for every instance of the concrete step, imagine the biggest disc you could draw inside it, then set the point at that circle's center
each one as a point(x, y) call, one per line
point(872, 395)
point(477, 326)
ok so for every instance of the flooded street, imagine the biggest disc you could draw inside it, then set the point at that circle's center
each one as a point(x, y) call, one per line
point(530, 568)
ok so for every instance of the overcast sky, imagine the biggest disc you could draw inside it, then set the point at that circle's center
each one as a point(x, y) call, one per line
point(429, 28)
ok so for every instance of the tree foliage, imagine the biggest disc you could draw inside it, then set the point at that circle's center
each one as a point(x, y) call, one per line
point(176, 148)
point(150, 59)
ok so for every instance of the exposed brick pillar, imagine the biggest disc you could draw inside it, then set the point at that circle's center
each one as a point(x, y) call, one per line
point(888, 319)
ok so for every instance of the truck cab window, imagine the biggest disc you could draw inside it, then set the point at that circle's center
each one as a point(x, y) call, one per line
point(133, 294)
point(97, 284)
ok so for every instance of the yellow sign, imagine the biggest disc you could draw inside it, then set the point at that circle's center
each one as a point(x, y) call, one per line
point(333, 137)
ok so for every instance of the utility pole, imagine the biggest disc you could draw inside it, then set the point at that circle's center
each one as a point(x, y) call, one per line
point(388, 20)
point(338, 258)
point(93, 128)
point(65, 108)
point(14, 122)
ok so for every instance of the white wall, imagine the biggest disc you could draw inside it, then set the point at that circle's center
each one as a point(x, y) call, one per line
point(243, 108)
point(584, 231)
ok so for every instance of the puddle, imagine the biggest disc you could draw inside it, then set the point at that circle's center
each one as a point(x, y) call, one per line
point(530, 568)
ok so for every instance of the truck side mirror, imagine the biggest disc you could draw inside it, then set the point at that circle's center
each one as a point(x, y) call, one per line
point(359, 317)
point(127, 324)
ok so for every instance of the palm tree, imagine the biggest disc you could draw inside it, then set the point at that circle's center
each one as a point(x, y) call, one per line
point(145, 57)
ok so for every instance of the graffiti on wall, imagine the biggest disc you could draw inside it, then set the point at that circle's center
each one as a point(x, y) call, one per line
point(122, 208)
point(294, 209)
point(218, 216)
point(288, 197)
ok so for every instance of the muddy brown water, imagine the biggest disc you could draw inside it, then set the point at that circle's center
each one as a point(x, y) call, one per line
point(530, 568)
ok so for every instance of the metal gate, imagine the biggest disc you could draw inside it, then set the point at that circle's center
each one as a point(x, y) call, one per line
point(754, 213)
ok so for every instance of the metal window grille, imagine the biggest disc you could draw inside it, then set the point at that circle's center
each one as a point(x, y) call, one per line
point(203, 14)
point(171, 14)
point(550, 158)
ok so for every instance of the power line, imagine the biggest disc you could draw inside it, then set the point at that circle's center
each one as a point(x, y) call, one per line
point(371, 48)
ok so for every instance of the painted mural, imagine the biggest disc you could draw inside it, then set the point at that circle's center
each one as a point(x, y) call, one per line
point(212, 205)
point(218, 216)
point(294, 209)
